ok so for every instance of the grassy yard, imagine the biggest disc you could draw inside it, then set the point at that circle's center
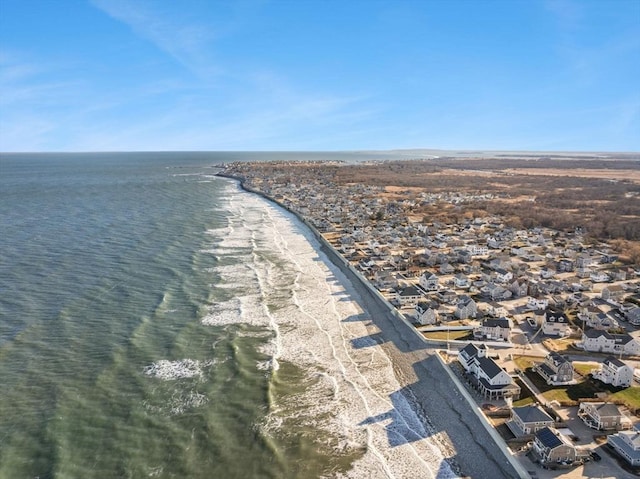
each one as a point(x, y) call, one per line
point(584, 368)
point(586, 389)
point(630, 396)
point(451, 335)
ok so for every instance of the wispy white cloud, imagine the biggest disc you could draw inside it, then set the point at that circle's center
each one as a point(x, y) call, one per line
point(185, 40)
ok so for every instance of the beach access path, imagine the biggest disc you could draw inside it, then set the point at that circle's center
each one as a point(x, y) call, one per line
point(423, 377)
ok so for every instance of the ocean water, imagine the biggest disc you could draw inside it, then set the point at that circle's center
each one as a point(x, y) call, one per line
point(158, 321)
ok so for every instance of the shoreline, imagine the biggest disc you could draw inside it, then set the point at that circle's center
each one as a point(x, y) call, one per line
point(459, 431)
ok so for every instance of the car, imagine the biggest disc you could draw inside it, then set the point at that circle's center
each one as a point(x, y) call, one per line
point(595, 456)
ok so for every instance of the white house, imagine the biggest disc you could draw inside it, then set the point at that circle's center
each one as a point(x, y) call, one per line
point(407, 296)
point(494, 329)
point(555, 323)
point(477, 250)
point(491, 380)
point(615, 372)
point(537, 303)
point(461, 281)
point(503, 276)
point(599, 341)
point(496, 310)
point(428, 281)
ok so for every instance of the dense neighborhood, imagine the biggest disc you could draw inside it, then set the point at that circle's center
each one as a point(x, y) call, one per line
point(526, 318)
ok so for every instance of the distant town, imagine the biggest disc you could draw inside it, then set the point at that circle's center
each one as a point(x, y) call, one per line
point(541, 326)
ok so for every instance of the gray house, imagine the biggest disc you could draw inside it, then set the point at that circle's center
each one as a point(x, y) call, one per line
point(556, 369)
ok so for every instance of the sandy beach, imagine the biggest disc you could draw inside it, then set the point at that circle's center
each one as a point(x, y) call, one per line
point(448, 417)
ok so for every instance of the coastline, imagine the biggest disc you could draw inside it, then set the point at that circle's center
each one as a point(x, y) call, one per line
point(425, 382)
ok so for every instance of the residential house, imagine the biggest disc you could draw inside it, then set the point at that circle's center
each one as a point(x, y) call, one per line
point(491, 380)
point(461, 281)
point(408, 296)
point(503, 276)
point(556, 369)
point(467, 354)
point(466, 307)
point(598, 341)
point(603, 416)
point(478, 250)
point(565, 265)
point(496, 292)
point(599, 277)
point(426, 313)
point(527, 420)
point(496, 310)
point(547, 273)
point(627, 445)
point(615, 372)
point(555, 323)
point(613, 292)
point(633, 316)
point(498, 329)
point(428, 281)
point(537, 303)
point(446, 268)
point(446, 296)
point(519, 288)
point(551, 447)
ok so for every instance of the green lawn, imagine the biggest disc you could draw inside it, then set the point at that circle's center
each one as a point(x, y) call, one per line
point(585, 389)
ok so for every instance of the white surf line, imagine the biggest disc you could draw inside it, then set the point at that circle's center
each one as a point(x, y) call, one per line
point(346, 344)
point(343, 369)
point(346, 347)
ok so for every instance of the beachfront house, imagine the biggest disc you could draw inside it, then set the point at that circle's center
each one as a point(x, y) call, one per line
point(408, 296)
point(426, 313)
point(467, 354)
point(527, 420)
point(486, 375)
point(615, 372)
point(556, 369)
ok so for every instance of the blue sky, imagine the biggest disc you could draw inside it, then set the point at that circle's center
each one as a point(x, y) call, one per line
point(113, 75)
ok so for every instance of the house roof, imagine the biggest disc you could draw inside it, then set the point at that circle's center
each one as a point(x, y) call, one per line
point(489, 366)
point(596, 333)
point(469, 351)
point(558, 358)
point(608, 409)
point(531, 414)
point(614, 362)
point(496, 323)
point(410, 291)
point(548, 438)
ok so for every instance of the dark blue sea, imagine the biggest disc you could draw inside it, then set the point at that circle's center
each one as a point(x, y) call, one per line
point(159, 321)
